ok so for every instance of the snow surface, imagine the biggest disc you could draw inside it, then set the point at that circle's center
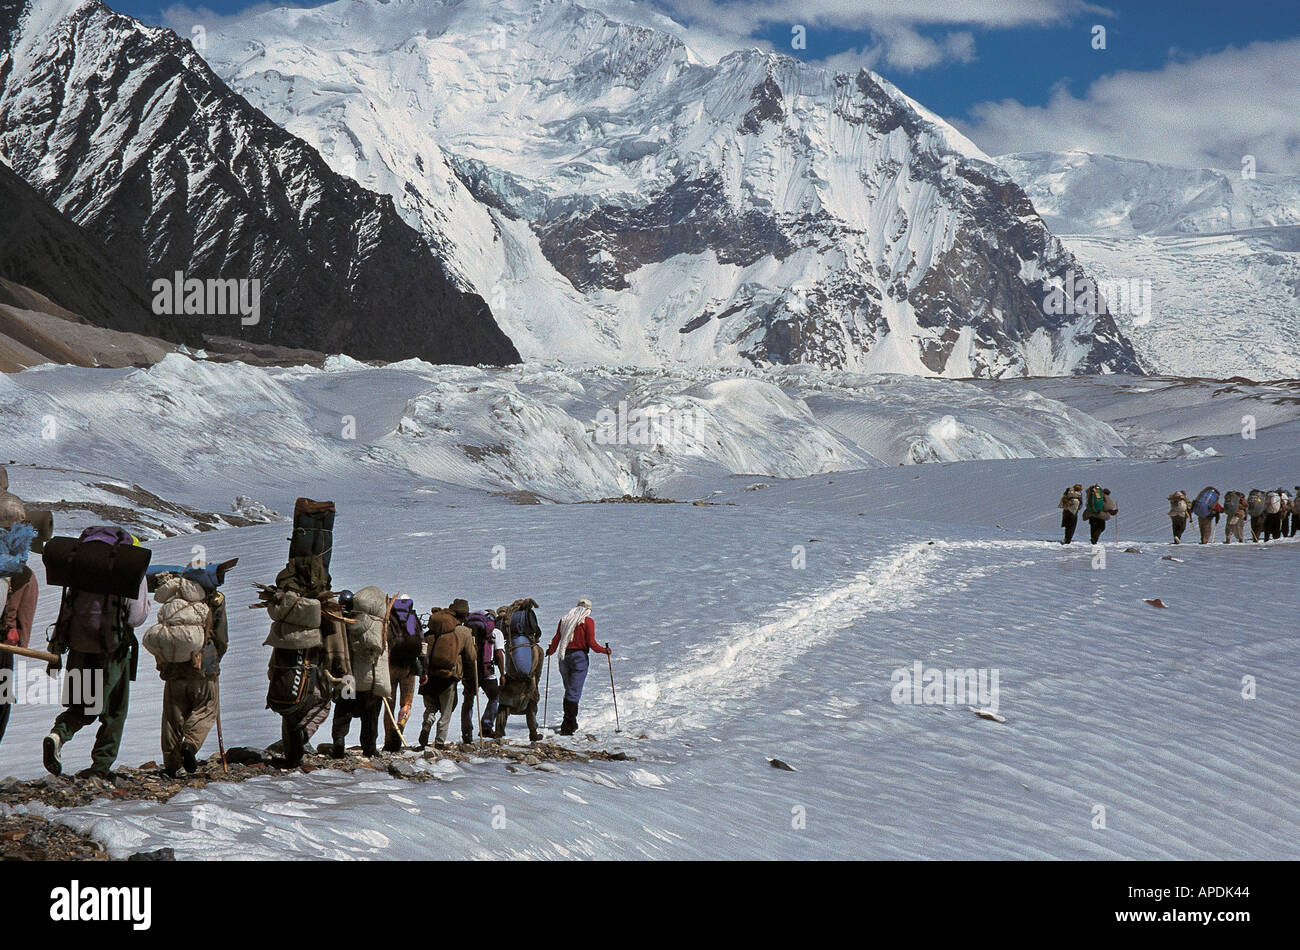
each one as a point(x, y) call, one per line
point(727, 653)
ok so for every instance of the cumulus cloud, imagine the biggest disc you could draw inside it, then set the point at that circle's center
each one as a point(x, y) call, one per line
point(1209, 111)
point(903, 50)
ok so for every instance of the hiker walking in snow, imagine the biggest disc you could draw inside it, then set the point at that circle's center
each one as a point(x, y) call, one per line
point(1207, 509)
point(97, 631)
point(405, 666)
point(1070, 502)
point(491, 674)
point(575, 635)
point(1273, 515)
point(450, 659)
point(1179, 509)
point(1255, 507)
point(1287, 503)
point(1234, 505)
point(522, 667)
point(1098, 509)
point(188, 643)
point(489, 642)
point(1295, 513)
point(362, 696)
point(18, 590)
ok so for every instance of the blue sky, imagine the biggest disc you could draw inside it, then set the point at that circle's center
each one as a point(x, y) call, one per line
point(1193, 82)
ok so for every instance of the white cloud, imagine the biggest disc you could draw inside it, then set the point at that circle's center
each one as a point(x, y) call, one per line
point(902, 50)
point(1204, 112)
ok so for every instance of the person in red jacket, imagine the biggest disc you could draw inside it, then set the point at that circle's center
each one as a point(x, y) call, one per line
point(16, 627)
point(574, 636)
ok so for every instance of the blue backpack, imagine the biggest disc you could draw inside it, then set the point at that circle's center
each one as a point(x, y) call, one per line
point(15, 545)
point(1203, 507)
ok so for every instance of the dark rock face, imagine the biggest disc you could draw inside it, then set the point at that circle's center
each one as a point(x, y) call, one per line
point(127, 132)
point(43, 250)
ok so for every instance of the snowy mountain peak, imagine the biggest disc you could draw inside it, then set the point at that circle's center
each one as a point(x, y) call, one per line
point(617, 198)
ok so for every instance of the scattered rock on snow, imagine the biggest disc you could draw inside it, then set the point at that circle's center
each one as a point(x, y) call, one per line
point(987, 714)
point(1157, 602)
point(784, 766)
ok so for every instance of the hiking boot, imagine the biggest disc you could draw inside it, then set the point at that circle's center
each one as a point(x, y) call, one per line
point(535, 737)
point(570, 724)
point(424, 737)
point(171, 771)
point(189, 758)
point(338, 751)
point(95, 771)
point(50, 754)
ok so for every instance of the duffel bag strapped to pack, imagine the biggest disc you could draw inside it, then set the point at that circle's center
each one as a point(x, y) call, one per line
point(366, 636)
point(313, 530)
point(95, 564)
point(371, 600)
point(294, 610)
point(293, 680)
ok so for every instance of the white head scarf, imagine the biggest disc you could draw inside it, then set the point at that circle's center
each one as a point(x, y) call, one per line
point(569, 623)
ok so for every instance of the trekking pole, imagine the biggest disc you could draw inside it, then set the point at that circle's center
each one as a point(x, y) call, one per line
point(546, 703)
point(221, 740)
point(478, 715)
point(393, 719)
point(30, 654)
point(618, 727)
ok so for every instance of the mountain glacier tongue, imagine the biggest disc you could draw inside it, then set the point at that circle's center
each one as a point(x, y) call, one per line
point(615, 197)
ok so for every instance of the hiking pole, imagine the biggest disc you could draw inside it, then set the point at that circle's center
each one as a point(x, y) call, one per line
point(393, 719)
point(546, 703)
point(618, 727)
point(221, 740)
point(478, 715)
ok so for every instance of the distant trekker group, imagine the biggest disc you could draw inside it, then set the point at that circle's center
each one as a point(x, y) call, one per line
point(1271, 514)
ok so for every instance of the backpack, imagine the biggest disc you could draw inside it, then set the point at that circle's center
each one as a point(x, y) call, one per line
point(1273, 503)
point(293, 678)
point(15, 545)
point(1096, 499)
point(1255, 503)
point(1232, 503)
point(184, 624)
point(522, 656)
point(313, 531)
point(405, 645)
point(1203, 507)
point(444, 659)
point(100, 572)
point(482, 623)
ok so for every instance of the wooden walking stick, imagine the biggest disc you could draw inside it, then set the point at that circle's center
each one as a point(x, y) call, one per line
point(618, 727)
point(30, 654)
point(221, 739)
point(393, 719)
point(546, 703)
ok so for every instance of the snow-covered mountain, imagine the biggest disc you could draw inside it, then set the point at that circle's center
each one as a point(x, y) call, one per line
point(617, 197)
point(1215, 255)
point(127, 132)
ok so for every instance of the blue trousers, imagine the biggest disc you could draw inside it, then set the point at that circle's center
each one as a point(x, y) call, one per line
point(573, 672)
